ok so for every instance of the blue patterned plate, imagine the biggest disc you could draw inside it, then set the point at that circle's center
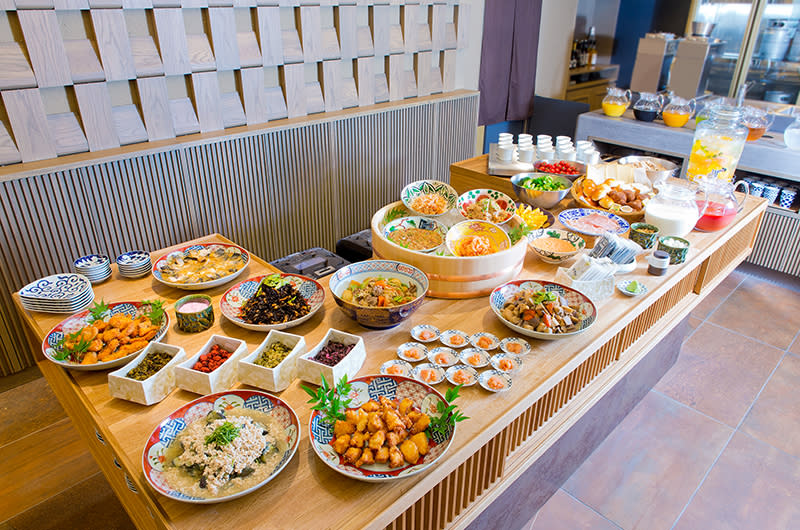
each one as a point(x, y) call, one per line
point(425, 399)
point(172, 425)
point(56, 288)
point(592, 222)
point(177, 255)
point(234, 298)
point(505, 293)
point(80, 320)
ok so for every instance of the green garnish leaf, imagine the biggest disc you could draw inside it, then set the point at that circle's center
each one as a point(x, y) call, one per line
point(71, 347)
point(98, 311)
point(329, 400)
point(518, 232)
point(154, 310)
point(223, 435)
point(449, 415)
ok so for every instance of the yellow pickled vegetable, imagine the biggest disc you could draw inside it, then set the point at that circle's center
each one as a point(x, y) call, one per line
point(534, 218)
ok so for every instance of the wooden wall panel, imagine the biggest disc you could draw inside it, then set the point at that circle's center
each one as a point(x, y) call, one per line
point(67, 134)
point(45, 47)
point(95, 107)
point(155, 108)
point(15, 72)
point(9, 154)
point(114, 44)
point(84, 65)
point(366, 81)
point(254, 95)
point(269, 35)
point(345, 20)
point(29, 122)
point(172, 41)
point(311, 33)
point(223, 37)
point(295, 83)
point(146, 59)
point(184, 118)
point(208, 104)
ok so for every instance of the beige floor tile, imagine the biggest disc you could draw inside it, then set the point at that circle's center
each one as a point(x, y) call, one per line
point(562, 512)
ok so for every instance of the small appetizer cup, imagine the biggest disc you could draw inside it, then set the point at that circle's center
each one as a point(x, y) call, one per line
point(461, 374)
point(435, 372)
point(312, 371)
point(443, 356)
point(425, 333)
point(153, 389)
point(471, 354)
point(405, 352)
point(279, 377)
point(494, 381)
point(676, 247)
point(454, 338)
point(643, 234)
point(195, 313)
point(396, 367)
point(484, 341)
point(515, 345)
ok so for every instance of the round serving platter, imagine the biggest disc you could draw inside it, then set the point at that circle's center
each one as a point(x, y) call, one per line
point(234, 298)
point(372, 387)
point(166, 431)
point(162, 262)
point(80, 320)
point(505, 292)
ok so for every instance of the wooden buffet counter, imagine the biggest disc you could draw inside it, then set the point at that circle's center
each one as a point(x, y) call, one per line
point(507, 434)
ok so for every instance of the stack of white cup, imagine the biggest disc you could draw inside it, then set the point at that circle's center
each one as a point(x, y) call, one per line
point(565, 150)
point(586, 152)
point(505, 147)
point(544, 147)
point(525, 148)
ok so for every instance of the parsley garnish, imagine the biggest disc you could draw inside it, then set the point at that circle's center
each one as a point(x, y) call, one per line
point(518, 232)
point(449, 415)
point(223, 435)
point(330, 400)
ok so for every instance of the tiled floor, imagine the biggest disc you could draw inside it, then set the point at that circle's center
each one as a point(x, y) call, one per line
point(715, 445)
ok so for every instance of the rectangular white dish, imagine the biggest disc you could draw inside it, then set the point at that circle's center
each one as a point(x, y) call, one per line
point(220, 379)
point(312, 371)
point(154, 388)
point(278, 378)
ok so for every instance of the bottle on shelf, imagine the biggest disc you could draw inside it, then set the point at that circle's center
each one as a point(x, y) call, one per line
point(592, 47)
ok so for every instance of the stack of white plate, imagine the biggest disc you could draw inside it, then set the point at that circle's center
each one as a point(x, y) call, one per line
point(94, 266)
point(59, 293)
point(134, 264)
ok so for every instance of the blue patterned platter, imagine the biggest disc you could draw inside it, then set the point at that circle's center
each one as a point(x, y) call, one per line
point(56, 288)
point(429, 187)
point(166, 431)
point(234, 298)
point(81, 320)
point(378, 317)
point(506, 292)
point(592, 222)
point(425, 399)
point(239, 259)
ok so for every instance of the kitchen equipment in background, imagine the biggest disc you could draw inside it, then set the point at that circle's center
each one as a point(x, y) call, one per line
point(776, 38)
point(616, 101)
point(654, 57)
point(702, 29)
point(791, 136)
point(648, 106)
point(718, 144)
point(692, 65)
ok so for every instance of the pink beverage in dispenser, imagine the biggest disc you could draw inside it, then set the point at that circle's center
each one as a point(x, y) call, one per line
point(722, 204)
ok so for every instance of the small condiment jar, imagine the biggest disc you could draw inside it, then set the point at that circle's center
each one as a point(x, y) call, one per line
point(658, 263)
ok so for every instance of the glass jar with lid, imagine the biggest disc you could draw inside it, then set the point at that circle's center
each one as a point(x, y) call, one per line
point(616, 101)
point(718, 144)
point(648, 106)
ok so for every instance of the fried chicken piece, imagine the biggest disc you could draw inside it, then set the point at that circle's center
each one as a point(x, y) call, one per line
point(393, 439)
point(371, 406)
point(395, 457)
point(109, 349)
point(421, 441)
point(376, 440)
point(358, 439)
point(343, 427)
point(361, 423)
point(110, 334)
point(127, 349)
point(405, 406)
point(119, 321)
point(96, 345)
point(150, 334)
point(351, 416)
point(374, 422)
point(352, 455)
point(421, 424)
point(393, 421)
point(341, 444)
point(414, 416)
point(88, 333)
point(101, 325)
point(410, 451)
point(382, 455)
point(366, 458)
point(89, 358)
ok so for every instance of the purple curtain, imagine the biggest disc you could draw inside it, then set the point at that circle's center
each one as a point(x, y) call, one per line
point(508, 60)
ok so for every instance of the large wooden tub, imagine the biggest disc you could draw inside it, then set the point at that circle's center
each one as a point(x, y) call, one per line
point(450, 276)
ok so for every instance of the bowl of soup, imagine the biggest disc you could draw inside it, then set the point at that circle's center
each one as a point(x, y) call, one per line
point(555, 246)
point(379, 293)
point(416, 233)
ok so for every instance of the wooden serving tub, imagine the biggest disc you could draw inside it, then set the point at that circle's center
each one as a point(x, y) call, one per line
point(450, 276)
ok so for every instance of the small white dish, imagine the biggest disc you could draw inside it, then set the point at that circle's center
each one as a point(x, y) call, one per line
point(448, 337)
point(443, 356)
point(494, 375)
point(467, 372)
point(397, 367)
point(622, 286)
point(484, 341)
point(469, 355)
point(406, 352)
point(506, 363)
point(421, 370)
point(508, 346)
point(279, 377)
point(312, 371)
point(220, 379)
point(153, 389)
point(425, 333)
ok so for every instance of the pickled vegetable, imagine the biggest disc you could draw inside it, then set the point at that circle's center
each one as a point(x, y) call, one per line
point(273, 355)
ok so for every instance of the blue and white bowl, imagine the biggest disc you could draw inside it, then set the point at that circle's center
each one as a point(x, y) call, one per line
point(378, 317)
point(572, 220)
point(134, 264)
point(95, 267)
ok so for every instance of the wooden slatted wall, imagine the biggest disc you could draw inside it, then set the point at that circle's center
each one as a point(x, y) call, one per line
point(274, 191)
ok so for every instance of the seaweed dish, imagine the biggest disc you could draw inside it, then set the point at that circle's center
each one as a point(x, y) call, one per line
point(275, 301)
